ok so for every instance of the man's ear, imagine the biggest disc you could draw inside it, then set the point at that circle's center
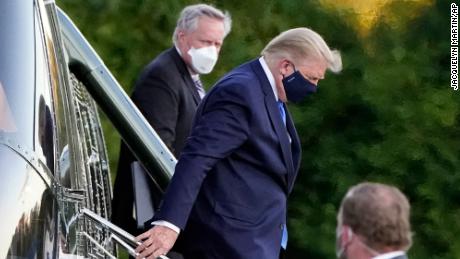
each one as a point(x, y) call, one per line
point(181, 36)
point(283, 66)
point(347, 234)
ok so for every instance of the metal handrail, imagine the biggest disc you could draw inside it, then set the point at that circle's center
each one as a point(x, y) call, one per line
point(120, 236)
point(114, 229)
point(125, 245)
point(134, 129)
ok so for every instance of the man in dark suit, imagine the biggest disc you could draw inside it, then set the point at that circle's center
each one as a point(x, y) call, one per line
point(229, 191)
point(168, 92)
point(373, 222)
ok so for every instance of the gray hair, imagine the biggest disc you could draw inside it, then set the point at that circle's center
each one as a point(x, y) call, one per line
point(379, 213)
point(188, 20)
point(299, 44)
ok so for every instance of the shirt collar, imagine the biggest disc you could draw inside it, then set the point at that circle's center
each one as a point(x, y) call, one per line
point(195, 77)
point(389, 255)
point(178, 50)
point(269, 75)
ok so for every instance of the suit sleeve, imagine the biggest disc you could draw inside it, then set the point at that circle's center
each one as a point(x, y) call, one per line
point(221, 126)
point(159, 104)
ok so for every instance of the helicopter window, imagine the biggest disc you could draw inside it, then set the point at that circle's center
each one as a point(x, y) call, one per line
point(7, 123)
point(28, 204)
point(17, 68)
point(44, 144)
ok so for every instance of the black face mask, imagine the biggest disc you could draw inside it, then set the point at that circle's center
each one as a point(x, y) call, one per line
point(297, 87)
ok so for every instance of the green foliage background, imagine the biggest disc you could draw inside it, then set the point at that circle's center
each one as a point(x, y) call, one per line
point(390, 116)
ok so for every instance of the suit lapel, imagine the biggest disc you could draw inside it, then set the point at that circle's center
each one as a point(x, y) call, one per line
point(280, 130)
point(186, 77)
point(191, 87)
point(296, 149)
point(275, 118)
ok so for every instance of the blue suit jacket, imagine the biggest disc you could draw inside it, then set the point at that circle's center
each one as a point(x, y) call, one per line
point(231, 183)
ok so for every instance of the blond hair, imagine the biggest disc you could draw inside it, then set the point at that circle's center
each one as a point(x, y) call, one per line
point(302, 44)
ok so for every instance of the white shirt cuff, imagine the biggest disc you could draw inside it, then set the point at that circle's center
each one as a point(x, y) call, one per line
point(166, 224)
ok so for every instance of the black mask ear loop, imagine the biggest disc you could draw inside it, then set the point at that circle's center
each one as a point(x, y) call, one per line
point(292, 64)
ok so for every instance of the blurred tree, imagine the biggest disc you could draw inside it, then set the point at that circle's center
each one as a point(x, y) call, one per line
point(390, 116)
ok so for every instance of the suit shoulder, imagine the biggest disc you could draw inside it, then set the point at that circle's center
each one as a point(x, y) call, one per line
point(163, 65)
point(236, 89)
point(163, 70)
point(241, 79)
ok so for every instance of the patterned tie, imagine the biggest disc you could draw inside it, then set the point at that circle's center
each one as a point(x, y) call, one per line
point(199, 87)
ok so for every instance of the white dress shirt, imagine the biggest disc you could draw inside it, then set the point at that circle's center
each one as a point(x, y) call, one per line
point(269, 75)
point(389, 255)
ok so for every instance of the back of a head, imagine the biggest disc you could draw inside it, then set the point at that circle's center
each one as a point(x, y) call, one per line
point(380, 214)
point(301, 44)
point(188, 19)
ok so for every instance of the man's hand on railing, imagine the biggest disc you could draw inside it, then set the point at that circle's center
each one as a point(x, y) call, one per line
point(156, 242)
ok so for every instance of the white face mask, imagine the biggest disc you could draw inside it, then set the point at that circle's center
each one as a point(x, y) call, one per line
point(203, 59)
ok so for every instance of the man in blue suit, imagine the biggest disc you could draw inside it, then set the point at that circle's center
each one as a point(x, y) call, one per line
point(227, 198)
